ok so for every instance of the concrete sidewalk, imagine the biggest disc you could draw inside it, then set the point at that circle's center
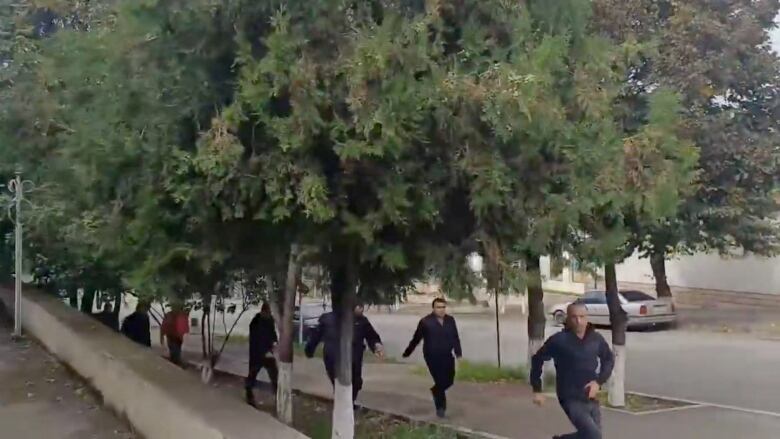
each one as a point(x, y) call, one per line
point(506, 410)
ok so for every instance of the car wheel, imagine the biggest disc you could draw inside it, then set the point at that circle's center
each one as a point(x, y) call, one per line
point(559, 317)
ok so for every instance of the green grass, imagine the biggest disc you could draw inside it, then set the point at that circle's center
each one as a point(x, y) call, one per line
point(472, 372)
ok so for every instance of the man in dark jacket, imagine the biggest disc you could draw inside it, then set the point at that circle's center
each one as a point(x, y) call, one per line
point(262, 341)
point(136, 325)
point(578, 351)
point(439, 334)
point(327, 332)
point(107, 316)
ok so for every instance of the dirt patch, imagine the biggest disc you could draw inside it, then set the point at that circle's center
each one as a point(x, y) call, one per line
point(44, 399)
point(312, 416)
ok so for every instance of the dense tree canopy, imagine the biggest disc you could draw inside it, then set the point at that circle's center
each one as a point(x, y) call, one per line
point(184, 147)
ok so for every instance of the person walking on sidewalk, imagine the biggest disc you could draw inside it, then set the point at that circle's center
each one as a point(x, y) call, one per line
point(578, 351)
point(136, 325)
point(175, 326)
point(262, 342)
point(327, 331)
point(439, 334)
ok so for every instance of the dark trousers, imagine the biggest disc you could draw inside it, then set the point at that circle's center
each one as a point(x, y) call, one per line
point(256, 365)
point(442, 369)
point(357, 372)
point(174, 350)
point(586, 417)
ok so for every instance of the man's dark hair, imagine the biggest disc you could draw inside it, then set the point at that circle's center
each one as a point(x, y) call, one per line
point(265, 307)
point(438, 300)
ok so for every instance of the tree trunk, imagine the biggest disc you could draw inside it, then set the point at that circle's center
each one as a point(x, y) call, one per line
point(618, 320)
point(73, 297)
point(343, 286)
point(536, 317)
point(284, 396)
point(117, 309)
point(88, 301)
point(658, 263)
point(203, 322)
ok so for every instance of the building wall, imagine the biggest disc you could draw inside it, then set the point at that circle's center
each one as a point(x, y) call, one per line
point(751, 274)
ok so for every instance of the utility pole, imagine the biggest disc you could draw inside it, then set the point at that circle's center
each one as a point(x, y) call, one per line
point(16, 187)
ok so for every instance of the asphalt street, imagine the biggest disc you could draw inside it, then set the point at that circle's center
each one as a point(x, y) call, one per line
point(727, 369)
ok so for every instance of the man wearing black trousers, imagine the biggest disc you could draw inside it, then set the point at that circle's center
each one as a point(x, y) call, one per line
point(439, 334)
point(583, 363)
point(363, 335)
point(262, 341)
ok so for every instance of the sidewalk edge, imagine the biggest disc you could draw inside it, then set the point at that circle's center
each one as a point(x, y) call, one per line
point(400, 416)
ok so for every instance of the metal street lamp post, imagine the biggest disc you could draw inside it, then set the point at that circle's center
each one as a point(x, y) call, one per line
point(16, 188)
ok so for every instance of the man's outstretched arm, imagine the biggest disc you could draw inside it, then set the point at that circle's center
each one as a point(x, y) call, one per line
point(607, 360)
point(416, 338)
point(545, 353)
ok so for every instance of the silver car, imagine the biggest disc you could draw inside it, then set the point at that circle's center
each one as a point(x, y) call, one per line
point(311, 317)
point(643, 310)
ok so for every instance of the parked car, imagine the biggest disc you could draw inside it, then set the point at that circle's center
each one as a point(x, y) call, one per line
point(643, 309)
point(311, 316)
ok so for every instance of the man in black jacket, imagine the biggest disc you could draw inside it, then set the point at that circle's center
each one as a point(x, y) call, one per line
point(136, 325)
point(107, 316)
point(440, 340)
point(327, 332)
point(262, 341)
point(578, 351)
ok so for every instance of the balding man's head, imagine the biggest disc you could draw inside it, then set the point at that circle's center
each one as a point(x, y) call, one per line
point(577, 318)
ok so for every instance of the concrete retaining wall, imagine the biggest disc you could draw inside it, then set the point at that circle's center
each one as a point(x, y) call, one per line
point(157, 398)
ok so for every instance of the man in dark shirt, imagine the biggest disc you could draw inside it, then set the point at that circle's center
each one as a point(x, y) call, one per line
point(262, 341)
point(136, 325)
point(327, 332)
point(107, 316)
point(440, 340)
point(577, 351)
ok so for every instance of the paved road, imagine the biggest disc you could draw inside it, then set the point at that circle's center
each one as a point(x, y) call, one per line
point(503, 409)
point(733, 369)
point(726, 369)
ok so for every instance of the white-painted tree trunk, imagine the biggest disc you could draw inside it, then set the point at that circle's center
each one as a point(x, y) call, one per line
point(617, 383)
point(284, 396)
point(343, 413)
point(206, 372)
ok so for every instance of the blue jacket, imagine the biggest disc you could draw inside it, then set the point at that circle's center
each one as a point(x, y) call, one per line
point(576, 363)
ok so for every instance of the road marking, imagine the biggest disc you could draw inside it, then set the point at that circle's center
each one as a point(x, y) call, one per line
point(710, 404)
point(654, 412)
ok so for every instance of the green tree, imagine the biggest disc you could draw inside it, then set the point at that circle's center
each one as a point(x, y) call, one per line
point(717, 56)
point(342, 145)
point(654, 171)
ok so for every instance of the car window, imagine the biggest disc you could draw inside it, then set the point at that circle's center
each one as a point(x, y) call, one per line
point(636, 296)
point(594, 297)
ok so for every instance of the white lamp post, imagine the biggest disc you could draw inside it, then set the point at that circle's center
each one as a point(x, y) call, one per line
point(16, 187)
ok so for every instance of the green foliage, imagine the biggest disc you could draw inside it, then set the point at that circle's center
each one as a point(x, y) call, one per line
point(472, 372)
point(717, 57)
